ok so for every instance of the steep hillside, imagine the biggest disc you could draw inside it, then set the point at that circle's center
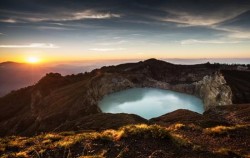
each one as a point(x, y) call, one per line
point(239, 82)
point(227, 115)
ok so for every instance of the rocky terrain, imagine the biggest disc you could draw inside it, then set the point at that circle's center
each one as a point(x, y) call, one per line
point(56, 101)
point(70, 103)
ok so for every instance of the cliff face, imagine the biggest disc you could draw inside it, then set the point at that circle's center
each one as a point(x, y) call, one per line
point(55, 101)
point(214, 91)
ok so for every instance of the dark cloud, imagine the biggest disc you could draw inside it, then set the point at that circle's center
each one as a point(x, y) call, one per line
point(242, 21)
point(196, 18)
point(136, 8)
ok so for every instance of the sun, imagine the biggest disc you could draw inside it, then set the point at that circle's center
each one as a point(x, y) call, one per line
point(33, 60)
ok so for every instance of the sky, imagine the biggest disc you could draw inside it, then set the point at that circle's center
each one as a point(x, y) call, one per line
point(74, 30)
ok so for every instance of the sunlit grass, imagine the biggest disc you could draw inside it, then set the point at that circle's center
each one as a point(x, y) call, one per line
point(24, 146)
point(224, 129)
point(65, 141)
point(176, 126)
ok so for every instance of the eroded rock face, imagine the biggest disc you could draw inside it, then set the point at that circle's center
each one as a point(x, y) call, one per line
point(214, 91)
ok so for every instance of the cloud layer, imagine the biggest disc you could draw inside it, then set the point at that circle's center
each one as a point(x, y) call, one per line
point(112, 25)
point(32, 45)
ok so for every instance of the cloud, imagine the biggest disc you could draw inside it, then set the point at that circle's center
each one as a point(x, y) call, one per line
point(106, 49)
point(234, 32)
point(190, 19)
point(64, 16)
point(54, 28)
point(75, 16)
point(239, 35)
point(8, 20)
point(117, 37)
point(60, 24)
point(112, 43)
point(136, 34)
point(89, 14)
point(157, 21)
point(195, 41)
point(32, 45)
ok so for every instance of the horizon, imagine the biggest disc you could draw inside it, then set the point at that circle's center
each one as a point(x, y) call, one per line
point(106, 62)
point(51, 32)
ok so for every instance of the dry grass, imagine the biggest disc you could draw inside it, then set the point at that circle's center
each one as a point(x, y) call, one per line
point(39, 145)
point(223, 151)
point(228, 152)
point(179, 140)
point(23, 146)
point(224, 129)
point(176, 127)
point(95, 156)
point(144, 130)
point(180, 126)
point(68, 141)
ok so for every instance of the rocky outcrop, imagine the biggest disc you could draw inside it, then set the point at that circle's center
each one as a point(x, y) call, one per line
point(214, 91)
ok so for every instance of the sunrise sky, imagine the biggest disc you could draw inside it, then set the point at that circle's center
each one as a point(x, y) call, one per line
point(70, 30)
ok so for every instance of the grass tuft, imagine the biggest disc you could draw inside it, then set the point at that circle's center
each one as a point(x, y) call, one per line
point(180, 141)
point(144, 130)
point(176, 127)
point(223, 129)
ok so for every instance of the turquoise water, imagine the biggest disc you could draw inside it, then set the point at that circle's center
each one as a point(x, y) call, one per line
point(149, 102)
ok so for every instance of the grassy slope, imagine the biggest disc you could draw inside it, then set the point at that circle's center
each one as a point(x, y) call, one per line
point(177, 140)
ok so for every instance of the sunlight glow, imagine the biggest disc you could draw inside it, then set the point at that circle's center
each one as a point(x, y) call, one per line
point(33, 60)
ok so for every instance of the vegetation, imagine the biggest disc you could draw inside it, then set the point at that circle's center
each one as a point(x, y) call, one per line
point(128, 141)
point(37, 146)
point(219, 130)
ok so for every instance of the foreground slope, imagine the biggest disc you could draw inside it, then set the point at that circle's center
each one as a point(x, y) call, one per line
point(140, 141)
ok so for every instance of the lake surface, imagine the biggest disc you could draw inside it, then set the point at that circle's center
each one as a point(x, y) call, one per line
point(149, 102)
